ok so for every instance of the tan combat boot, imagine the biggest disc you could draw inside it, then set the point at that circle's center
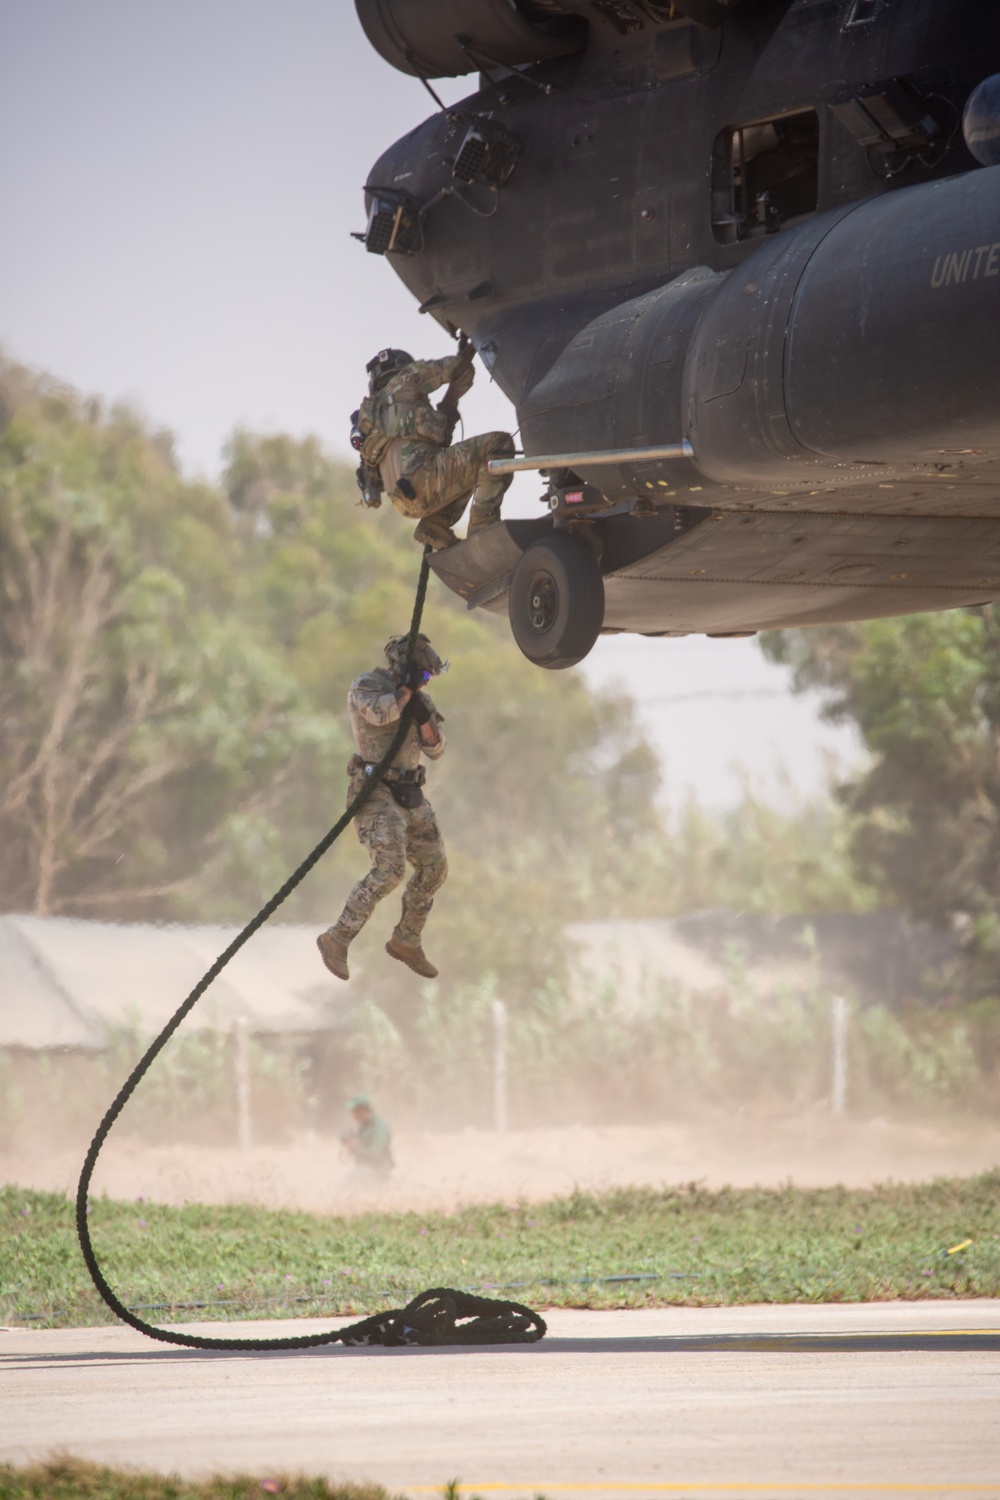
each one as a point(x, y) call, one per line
point(411, 955)
point(333, 952)
point(432, 532)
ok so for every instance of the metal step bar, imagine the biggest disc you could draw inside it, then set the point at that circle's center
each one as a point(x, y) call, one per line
point(586, 460)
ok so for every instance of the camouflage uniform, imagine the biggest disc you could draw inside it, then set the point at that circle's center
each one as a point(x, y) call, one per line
point(406, 438)
point(370, 1143)
point(393, 835)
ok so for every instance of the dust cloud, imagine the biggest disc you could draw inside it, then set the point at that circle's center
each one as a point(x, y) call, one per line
point(442, 1171)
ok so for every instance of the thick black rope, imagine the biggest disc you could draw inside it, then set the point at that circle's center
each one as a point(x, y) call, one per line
point(431, 1318)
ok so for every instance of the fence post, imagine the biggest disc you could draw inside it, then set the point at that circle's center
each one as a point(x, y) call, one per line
point(499, 1065)
point(838, 1038)
point(241, 1070)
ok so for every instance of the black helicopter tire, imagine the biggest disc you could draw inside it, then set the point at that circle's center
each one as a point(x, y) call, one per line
point(556, 602)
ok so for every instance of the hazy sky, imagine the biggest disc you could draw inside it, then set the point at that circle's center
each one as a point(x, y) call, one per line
point(179, 181)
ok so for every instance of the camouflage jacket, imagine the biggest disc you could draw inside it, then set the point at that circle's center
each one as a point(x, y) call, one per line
point(375, 712)
point(371, 1145)
point(401, 408)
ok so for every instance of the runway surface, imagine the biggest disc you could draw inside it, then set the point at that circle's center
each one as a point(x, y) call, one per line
point(864, 1399)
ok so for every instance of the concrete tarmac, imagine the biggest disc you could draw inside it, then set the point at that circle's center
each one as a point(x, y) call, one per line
point(835, 1400)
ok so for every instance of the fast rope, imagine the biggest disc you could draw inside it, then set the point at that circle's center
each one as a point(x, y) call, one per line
point(440, 1316)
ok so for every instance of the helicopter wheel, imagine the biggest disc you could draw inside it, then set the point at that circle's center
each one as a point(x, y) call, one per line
point(556, 603)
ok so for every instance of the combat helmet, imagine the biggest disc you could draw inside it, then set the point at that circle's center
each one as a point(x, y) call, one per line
point(386, 363)
point(424, 657)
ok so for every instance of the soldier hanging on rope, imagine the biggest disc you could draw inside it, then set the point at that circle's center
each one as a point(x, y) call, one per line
point(407, 452)
point(397, 824)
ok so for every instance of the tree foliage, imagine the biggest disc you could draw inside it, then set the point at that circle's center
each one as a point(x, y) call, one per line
point(138, 720)
point(924, 693)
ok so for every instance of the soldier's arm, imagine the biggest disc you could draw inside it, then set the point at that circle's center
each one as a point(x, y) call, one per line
point(461, 376)
point(424, 376)
point(432, 740)
point(375, 703)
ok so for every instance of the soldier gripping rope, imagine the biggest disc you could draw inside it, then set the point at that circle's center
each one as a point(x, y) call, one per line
point(397, 824)
point(407, 452)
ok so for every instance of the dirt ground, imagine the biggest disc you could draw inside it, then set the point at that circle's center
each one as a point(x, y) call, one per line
point(443, 1171)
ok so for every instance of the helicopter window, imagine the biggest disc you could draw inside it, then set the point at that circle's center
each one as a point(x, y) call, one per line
point(764, 175)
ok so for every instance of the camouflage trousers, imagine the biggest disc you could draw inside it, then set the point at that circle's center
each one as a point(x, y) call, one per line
point(395, 836)
point(444, 478)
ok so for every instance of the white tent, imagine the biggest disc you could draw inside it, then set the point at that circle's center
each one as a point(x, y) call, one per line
point(64, 983)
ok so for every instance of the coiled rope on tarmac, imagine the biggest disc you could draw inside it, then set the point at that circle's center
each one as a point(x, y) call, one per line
point(440, 1316)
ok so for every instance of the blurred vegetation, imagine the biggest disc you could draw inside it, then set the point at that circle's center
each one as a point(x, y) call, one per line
point(52, 1099)
point(924, 817)
point(593, 1060)
point(683, 1245)
point(572, 1058)
point(67, 1478)
point(174, 661)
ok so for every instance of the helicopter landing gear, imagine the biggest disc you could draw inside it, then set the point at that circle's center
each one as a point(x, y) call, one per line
point(556, 602)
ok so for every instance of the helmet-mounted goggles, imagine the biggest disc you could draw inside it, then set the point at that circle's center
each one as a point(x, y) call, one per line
point(425, 658)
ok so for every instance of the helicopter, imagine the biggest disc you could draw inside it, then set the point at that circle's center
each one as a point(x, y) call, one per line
point(736, 263)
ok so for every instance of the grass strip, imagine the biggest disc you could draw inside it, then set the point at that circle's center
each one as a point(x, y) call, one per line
point(65, 1478)
point(635, 1247)
point(74, 1479)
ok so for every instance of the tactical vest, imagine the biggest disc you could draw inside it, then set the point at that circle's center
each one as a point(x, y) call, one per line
point(381, 419)
point(373, 740)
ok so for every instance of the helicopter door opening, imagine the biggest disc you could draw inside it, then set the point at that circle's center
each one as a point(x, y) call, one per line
point(764, 176)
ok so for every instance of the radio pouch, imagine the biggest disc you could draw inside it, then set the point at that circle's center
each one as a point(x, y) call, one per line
point(406, 794)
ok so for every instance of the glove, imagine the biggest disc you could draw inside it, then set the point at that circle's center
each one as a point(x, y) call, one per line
point(421, 709)
point(370, 485)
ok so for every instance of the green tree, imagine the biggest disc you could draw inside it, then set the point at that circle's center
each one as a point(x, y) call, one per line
point(140, 728)
point(924, 694)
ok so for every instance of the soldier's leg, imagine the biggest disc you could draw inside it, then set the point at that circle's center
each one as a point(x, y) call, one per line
point(425, 852)
point(444, 478)
point(435, 529)
point(452, 512)
point(434, 493)
point(418, 495)
point(381, 828)
point(490, 488)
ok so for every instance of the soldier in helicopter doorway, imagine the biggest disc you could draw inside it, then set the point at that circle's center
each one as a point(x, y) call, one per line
point(406, 448)
point(397, 824)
